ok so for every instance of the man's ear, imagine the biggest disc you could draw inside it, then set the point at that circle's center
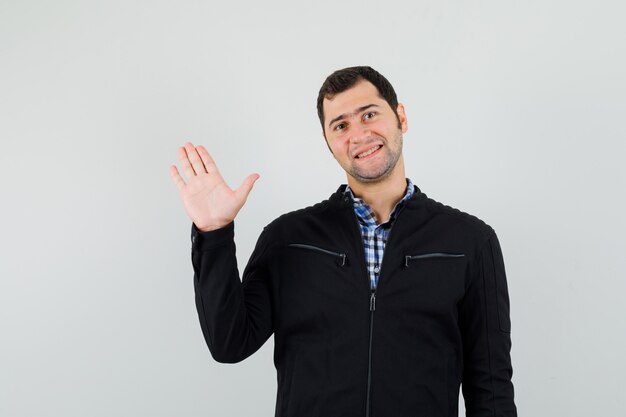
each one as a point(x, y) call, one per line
point(404, 125)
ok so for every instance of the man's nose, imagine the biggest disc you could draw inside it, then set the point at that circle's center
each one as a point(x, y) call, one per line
point(359, 132)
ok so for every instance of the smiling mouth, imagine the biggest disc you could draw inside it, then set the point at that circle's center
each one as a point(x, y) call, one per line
point(368, 152)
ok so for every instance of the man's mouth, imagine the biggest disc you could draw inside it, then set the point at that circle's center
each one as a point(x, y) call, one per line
point(368, 152)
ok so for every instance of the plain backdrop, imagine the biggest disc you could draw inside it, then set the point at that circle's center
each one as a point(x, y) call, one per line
point(516, 115)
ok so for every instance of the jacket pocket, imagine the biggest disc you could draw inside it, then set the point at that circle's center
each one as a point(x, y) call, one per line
point(433, 283)
point(408, 259)
point(341, 257)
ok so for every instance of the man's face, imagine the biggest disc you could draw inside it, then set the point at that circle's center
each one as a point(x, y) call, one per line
point(362, 132)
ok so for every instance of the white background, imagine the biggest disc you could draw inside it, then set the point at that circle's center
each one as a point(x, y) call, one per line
point(516, 115)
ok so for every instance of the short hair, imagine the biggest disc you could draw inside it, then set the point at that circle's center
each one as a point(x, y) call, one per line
point(344, 79)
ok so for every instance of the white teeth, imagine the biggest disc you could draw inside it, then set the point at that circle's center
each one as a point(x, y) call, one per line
point(368, 152)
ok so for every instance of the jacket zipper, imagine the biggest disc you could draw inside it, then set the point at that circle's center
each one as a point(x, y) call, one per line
point(372, 300)
point(341, 256)
point(373, 306)
point(369, 354)
point(408, 258)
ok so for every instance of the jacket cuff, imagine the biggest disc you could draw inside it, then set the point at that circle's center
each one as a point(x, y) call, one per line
point(206, 240)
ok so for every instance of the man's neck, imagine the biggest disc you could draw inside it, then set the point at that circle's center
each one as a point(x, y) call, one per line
point(381, 196)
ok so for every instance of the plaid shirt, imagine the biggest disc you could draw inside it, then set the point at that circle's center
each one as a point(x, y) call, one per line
point(375, 235)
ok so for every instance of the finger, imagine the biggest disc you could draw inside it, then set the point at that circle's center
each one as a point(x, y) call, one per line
point(207, 160)
point(194, 158)
point(246, 186)
point(178, 180)
point(184, 161)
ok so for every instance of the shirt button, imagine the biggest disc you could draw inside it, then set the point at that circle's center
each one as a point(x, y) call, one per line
point(377, 269)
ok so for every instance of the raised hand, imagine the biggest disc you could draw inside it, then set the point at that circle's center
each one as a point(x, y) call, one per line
point(208, 200)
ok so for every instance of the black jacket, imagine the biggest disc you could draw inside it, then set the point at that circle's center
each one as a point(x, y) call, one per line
point(439, 317)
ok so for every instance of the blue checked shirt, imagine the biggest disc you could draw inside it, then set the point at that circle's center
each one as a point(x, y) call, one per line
point(375, 235)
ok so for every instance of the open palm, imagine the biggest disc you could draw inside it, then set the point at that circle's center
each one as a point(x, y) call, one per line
point(208, 200)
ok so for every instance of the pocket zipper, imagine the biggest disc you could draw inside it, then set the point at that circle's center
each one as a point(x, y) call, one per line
point(342, 256)
point(408, 258)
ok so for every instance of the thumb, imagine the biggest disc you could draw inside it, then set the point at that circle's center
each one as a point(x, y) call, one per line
point(246, 186)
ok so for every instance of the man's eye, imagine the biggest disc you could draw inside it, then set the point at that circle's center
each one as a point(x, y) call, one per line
point(339, 127)
point(369, 115)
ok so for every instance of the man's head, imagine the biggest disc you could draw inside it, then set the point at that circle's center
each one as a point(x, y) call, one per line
point(343, 79)
point(363, 124)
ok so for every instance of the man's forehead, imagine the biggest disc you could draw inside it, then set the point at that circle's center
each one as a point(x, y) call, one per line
point(361, 94)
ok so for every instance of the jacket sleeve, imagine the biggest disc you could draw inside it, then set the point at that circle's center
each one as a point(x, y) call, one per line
point(235, 316)
point(486, 330)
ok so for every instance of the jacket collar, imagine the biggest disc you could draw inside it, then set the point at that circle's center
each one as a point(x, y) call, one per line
point(342, 199)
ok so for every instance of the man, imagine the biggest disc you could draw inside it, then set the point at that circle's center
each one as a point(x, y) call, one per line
point(381, 300)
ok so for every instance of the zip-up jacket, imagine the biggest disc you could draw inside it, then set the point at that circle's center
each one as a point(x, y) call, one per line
point(438, 319)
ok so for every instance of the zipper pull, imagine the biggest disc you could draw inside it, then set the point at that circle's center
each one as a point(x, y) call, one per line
point(373, 301)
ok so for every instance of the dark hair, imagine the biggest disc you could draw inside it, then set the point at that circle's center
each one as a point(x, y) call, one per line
point(343, 79)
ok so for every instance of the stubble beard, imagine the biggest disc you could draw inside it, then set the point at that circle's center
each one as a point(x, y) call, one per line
point(393, 155)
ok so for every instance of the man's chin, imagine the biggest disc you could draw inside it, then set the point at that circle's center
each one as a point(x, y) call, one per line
point(370, 177)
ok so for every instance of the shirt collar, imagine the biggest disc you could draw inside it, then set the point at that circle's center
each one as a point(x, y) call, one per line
point(365, 213)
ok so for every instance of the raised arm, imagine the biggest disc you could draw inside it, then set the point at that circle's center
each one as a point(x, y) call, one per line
point(235, 317)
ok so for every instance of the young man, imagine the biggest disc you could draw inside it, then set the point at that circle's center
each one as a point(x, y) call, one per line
point(381, 300)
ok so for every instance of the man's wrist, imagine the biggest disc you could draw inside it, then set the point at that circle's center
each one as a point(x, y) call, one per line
point(206, 229)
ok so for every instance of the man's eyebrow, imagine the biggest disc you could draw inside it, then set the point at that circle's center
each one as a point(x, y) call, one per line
point(344, 115)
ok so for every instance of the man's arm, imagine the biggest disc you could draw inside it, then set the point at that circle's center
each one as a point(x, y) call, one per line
point(486, 327)
point(235, 316)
